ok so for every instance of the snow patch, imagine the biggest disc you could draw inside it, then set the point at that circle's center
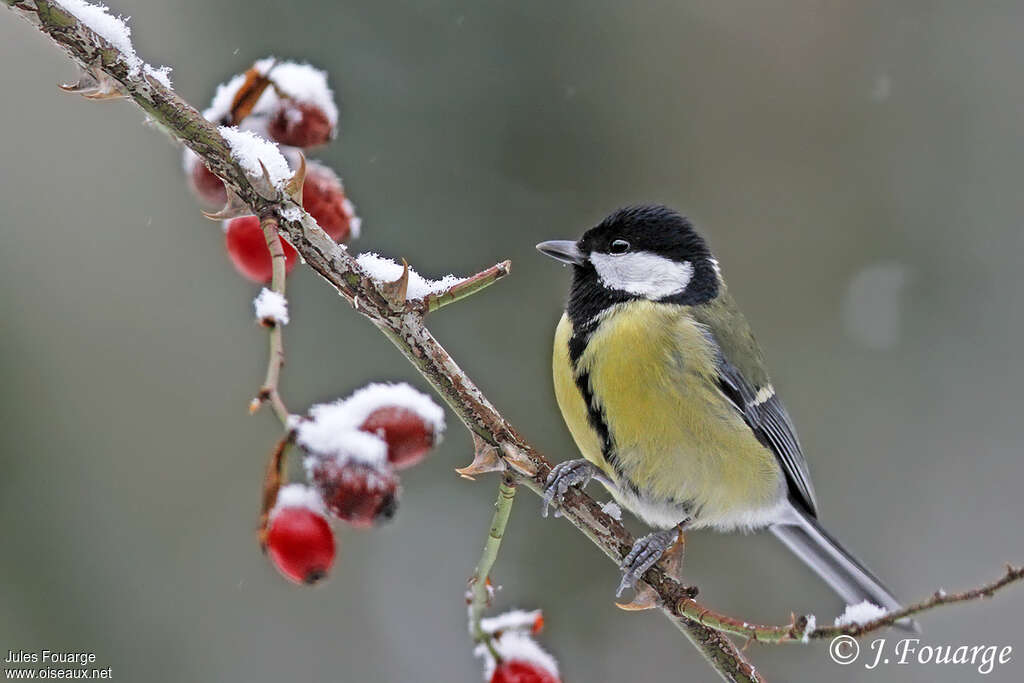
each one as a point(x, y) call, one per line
point(112, 29)
point(271, 306)
point(298, 495)
point(305, 83)
point(612, 509)
point(384, 269)
point(860, 614)
point(249, 149)
point(161, 74)
point(328, 433)
point(517, 620)
point(812, 623)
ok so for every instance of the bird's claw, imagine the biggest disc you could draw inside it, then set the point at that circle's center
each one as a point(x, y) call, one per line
point(562, 476)
point(645, 554)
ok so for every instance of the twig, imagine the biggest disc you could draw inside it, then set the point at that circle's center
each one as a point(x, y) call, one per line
point(480, 590)
point(269, 391)
point(467, 287)
point(797, 632)
point(273, 480)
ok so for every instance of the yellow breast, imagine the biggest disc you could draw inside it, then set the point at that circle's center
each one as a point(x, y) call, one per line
point(677, 440)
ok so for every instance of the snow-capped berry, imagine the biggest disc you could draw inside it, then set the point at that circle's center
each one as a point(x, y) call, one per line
point(248, 250)
point(360, 494)
point(520, 660)
point(331, 427)
point(205, 185)
point(516, 671)
point(407, 420)
point(409, 437)
point(288, 82)
point(299, 540)
point(323, 196)
point(300, 124)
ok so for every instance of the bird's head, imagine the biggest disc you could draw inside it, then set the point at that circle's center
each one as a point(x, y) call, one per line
point(643, 252)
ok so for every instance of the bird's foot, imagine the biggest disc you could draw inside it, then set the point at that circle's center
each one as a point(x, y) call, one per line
point(645, 554)
point(565, 474)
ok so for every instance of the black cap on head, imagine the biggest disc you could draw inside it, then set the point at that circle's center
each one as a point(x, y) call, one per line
point(654, 229)
point(640, 252)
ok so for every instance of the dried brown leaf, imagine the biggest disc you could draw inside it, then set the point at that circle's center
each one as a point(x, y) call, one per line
point(249, 94)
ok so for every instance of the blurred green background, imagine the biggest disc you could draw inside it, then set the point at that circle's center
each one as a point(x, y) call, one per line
point(856, 166)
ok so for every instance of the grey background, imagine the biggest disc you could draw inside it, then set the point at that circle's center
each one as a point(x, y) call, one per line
point(856, 166)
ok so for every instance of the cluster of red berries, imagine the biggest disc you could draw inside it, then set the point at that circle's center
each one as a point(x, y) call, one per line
point(354, 448)
point(514, 656)
point(292, 105)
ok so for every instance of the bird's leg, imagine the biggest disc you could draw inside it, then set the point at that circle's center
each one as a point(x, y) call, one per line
point(646, 552)
point(570, 473)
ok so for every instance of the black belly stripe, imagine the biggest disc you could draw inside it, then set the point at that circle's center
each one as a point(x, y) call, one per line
point(595, 413)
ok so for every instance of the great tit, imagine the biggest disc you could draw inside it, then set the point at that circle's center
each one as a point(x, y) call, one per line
point(665, 392)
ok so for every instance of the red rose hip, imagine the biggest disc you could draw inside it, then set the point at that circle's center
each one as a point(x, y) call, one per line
point(205, 185)
point(360, 494)
point(408, 435)
point(406, 420)
point(517, 671)
point(323, 196)
point(247, 248)
point(519, 660)
point(299, 540)
point(300, 124)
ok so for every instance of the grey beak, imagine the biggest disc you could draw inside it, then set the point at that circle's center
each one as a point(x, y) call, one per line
point(562, 250)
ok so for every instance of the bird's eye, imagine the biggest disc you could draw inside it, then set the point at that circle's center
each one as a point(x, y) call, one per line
point(618, 247)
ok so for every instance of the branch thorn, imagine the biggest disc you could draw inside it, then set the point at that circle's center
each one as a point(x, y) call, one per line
point(485, 459)
point(234, 207)
point(265, 187)
point(518, 460)
point(94, 84)
point(395, 292)
point(294, 187)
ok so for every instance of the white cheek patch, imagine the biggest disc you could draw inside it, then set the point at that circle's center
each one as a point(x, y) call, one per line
point(642, 273)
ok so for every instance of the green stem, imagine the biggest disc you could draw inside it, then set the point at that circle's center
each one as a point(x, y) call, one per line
point(468, 287)
point(479, 593)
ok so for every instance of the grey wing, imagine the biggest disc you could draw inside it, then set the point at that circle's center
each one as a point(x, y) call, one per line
point(767, 417)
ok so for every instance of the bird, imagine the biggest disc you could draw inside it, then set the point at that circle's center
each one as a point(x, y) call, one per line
point(664, 389)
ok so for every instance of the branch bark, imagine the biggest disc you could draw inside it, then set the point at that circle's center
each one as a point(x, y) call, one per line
point(402, 323)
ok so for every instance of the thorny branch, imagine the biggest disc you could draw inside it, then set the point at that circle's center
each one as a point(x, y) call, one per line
point(402, 322)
